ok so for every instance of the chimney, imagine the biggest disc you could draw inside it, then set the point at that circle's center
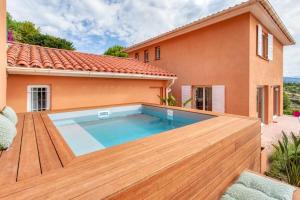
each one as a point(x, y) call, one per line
point(3, 47)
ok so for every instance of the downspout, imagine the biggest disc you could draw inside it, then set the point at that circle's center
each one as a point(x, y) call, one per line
point(168, 88)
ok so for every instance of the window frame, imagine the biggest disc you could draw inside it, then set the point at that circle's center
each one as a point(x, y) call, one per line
point(137, 56)
point(264, 43)
point(146, 52)
point(157, 56)
point(29, 97)
point(265, 48)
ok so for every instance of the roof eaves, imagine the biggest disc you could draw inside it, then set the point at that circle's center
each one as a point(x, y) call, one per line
point(75, 73)
point(269, 8)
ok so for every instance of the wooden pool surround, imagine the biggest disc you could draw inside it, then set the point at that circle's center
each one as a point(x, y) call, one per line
point(198, 161)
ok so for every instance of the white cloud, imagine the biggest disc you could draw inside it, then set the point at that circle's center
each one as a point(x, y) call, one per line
point(94, 24)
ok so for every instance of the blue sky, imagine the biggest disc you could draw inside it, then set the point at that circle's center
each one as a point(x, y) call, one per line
point(95, 25)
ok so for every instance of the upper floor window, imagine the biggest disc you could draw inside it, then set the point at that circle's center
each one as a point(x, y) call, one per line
point(146, 56)
point(137, 56)
point(157, 53)
point(264, 44)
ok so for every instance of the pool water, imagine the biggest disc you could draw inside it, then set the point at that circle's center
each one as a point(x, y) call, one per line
point(87, 131)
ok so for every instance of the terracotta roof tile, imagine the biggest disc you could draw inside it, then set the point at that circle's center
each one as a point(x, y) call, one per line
point(32, 56)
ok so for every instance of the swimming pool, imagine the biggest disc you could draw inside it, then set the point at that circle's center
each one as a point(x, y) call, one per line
point(92, 130)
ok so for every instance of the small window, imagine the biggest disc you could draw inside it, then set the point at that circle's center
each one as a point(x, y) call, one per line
point(146, 56)
point(157, 53)
point(265, 46)
point(137, 56)
point(38, 98)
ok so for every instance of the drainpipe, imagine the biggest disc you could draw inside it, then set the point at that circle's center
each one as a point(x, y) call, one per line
point(168, 88)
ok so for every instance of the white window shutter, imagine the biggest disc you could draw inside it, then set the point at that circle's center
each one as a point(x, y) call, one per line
point(259, 40)
point(218, 98)
point(270, 46)
point(186, 94)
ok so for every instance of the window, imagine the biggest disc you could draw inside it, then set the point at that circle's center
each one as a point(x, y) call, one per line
point(146, 56)
point(38, 98)
point(137, 56)
point(157, 53)
point(264, 44)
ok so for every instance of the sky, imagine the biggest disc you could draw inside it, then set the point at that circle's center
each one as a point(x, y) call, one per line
point(95, 25)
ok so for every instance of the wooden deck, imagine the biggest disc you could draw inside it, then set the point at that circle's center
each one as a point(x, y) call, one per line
point(37, 149)
point(194, 162)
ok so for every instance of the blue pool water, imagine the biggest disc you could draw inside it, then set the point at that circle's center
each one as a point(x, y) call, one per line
point(85, 131)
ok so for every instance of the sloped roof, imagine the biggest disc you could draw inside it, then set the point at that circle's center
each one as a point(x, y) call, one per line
point(259, 8)
point(32, 56)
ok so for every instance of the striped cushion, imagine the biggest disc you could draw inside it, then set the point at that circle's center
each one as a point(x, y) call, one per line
point(7, 132)
point(10, 114)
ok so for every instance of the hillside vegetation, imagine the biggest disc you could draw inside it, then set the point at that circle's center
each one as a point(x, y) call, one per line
point(291, 97)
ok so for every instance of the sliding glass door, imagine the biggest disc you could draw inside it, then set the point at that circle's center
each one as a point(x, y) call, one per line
point(203, 98)
point(260, 101)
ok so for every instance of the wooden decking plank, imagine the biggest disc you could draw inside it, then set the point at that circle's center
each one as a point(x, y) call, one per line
point(29, 165)
point(48, 156)
point(9, 159)
point(64, 152)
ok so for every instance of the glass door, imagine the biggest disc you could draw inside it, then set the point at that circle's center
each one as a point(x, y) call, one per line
point(260, 103)
point(276, 97)
point(203, 98)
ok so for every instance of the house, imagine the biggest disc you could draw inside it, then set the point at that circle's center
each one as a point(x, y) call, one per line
point(231, 61)
point(41, 78)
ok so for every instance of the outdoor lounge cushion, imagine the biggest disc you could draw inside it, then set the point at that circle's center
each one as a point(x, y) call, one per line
point(252, 186)
point(10, 114)
point(7, 132)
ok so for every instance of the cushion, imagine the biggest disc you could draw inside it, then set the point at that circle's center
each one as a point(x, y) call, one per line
point(252, 186)
point(10, 114)
point(7, 132)
point(268, 186)
point(240, 192)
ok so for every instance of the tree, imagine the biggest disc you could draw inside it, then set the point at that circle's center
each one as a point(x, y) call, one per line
point(286, 104)
point(27, 32)
point(117, 51)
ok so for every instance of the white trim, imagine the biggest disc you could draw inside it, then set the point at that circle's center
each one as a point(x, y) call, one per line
point(29, 87)
point(218, 98)
point(270, 46)
point(72, 73)
point(186, 94)
point(259, 40)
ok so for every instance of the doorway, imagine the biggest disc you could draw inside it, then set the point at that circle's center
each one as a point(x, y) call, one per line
point(203, 98)
point(260, 103)
point(276, 97)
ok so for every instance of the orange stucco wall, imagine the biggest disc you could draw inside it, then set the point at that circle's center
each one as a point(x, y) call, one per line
point(73, 92)
point(223, 54)
point(265, 73)
point(215, 55)
point(2, 53)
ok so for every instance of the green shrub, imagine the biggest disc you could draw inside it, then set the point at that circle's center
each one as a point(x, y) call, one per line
point(285, 160)
point(286, 104)
point(171, 100)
